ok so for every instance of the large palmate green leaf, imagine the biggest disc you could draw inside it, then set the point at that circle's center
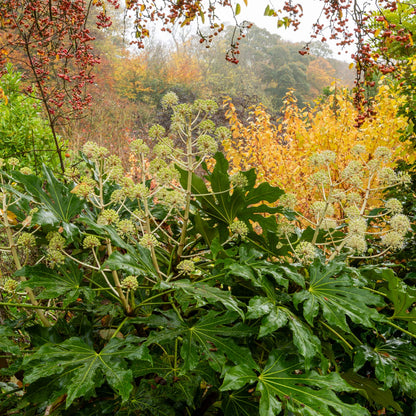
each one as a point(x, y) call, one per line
point(275, 317)
point(83, 369)
point(207, 339)
point(225, 203)
point(371, 390)
point(394, 362)
point(401, 295)
point(334, 290)
point(64, 280)
point(283, 381)
point(202, 293)
point(58, 204)
point(240, 403)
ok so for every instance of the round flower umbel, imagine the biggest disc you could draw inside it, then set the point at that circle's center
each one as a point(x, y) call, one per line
point(238, 180)
point(319, 178)
point(139, 146)
point(357, 243)
point(400, 223)
point(130, 283)
point(394, 206)
point(90, 241)
point(56, 241)
point(383, 153)
point(223, 133)
point(393, 240)
point(239, 228)
point(186, 266)
point(358, 149)
point(26, 240)
point(324, 158)
point(206, 126)
point(322, 208)
point(387, 176)
point(107, 217)
point(357, 226)
point(13, 162)
point(149, 241)
point(10, 285)
point(26, 171)
point(126, 227)
point(170, 99)
point(288, 201)
point(207, 144)
point(306, 252)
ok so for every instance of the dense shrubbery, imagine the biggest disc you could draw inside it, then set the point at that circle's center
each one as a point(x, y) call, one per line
point(190, 291)
point(24, 133)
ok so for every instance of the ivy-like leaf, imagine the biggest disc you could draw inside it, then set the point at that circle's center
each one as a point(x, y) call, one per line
point(84, 369)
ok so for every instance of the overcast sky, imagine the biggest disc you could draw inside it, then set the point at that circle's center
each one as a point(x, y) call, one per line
point(254, 12)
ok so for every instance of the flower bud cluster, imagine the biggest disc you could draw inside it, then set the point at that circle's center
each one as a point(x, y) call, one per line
point(54, 253)
point(139, 147)
point(324, 158)
point(206, 144)
point(107, 217)
point(239, 228)
point(186, 266)
point(130, 283)
point(306, 252)
point(91, 241)
point(26, 240)
point(238, 180)
point(149, 241)
point(93, 151)
point(26, 171)
point(10, 285)
point(169, 100)
point(126, 227)
point(288, 201)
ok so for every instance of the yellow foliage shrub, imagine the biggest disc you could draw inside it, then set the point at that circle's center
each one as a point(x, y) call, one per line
point(280, 150)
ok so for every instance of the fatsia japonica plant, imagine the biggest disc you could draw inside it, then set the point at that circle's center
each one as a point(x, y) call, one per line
point(175, 292)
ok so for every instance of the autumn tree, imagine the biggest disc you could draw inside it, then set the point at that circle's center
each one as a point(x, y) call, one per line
point(50, 43)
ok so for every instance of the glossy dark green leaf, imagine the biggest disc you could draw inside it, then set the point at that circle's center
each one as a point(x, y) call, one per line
point(58, 203)
point(240, 403)
point(84, 369)
point(203, 293)
point(55, 282)
point(6, 343)
point(284, 381)
point(371, 390)
point(394, 362)
point(401, 295)
point(339, 295)
point(212, 336)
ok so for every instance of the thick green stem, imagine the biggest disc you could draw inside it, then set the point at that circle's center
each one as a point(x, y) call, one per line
point(18, 265)
point(401, 329)
point(338, 335)
point(46, 308)
point(188, 195)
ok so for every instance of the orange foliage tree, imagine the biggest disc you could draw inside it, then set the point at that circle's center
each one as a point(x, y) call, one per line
point(281, 150)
